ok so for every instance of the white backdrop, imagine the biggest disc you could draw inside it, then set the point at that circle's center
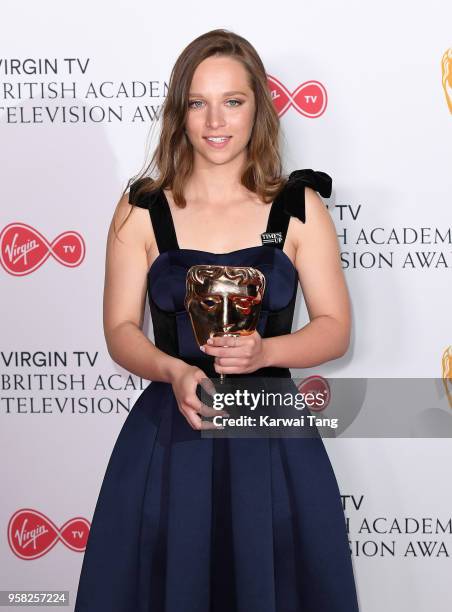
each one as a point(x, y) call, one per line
point(385, 137)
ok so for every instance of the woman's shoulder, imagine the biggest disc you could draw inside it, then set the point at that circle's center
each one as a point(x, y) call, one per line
point(143, 194)
point(316, 234)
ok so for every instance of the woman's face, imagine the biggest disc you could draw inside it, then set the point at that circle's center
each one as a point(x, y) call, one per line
point(220, 103)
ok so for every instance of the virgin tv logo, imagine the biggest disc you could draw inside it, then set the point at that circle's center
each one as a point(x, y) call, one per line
point(309, 99)
point(31, 534)
point(23, 249)
point(316, 386)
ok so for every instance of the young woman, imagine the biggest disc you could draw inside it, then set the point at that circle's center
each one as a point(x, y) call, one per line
point(186, 522)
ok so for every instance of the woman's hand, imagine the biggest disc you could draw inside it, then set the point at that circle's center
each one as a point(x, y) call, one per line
point(184, 384)
point(237, 354)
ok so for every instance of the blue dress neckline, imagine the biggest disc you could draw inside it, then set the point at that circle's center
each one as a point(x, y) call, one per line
point(211, 254)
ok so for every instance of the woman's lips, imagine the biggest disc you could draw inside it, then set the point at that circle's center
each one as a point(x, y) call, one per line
point(218, 145)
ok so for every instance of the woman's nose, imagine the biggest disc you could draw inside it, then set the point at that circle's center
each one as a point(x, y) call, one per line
point(214, 117)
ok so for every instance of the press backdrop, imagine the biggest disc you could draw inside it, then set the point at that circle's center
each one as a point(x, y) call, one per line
point(364, 94)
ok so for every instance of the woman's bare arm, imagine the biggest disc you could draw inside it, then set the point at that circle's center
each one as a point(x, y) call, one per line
point(126, 268)
point(327, 335)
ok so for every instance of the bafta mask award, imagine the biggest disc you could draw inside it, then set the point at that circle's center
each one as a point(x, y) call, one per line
point(447, 373)
point(223, 301)
point(446, 66)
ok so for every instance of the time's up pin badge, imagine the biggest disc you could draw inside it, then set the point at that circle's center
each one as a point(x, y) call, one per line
point(271, 237)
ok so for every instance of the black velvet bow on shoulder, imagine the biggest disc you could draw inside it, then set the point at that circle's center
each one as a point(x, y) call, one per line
point(293, 192)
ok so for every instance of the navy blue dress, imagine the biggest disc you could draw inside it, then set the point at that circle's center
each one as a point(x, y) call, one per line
point(186, 523)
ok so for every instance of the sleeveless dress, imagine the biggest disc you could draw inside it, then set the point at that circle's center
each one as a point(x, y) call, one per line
point(185, 523)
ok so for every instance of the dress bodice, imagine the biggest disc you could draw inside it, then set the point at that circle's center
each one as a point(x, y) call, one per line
point(166, 281)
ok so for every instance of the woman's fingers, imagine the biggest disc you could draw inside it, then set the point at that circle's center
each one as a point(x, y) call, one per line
point(197, 423)
point(196, 407)
point(207, 385)
point(205, 410)
point(192, 407)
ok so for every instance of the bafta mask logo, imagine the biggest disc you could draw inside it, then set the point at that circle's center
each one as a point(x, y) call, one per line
point(223, 300)
point(446, 67)
point(446, 362)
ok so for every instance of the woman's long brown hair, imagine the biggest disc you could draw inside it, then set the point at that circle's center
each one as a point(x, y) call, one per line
point(173, 157)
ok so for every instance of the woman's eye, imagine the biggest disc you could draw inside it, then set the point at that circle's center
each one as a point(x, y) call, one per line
point(198, 103)
point(190, 104)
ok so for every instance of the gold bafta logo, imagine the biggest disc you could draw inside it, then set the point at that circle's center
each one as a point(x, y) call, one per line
point(223, 301)
point(446, 67)
point(446, 362)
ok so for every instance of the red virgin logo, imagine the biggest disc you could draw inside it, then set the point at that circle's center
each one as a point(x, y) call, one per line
point(309, 99)
point(23, 249)
point(31, 534)
point(318, 388)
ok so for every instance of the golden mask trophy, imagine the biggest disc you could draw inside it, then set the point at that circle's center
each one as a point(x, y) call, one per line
point(446, 362)
point(446, 69)
point(223, 301)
